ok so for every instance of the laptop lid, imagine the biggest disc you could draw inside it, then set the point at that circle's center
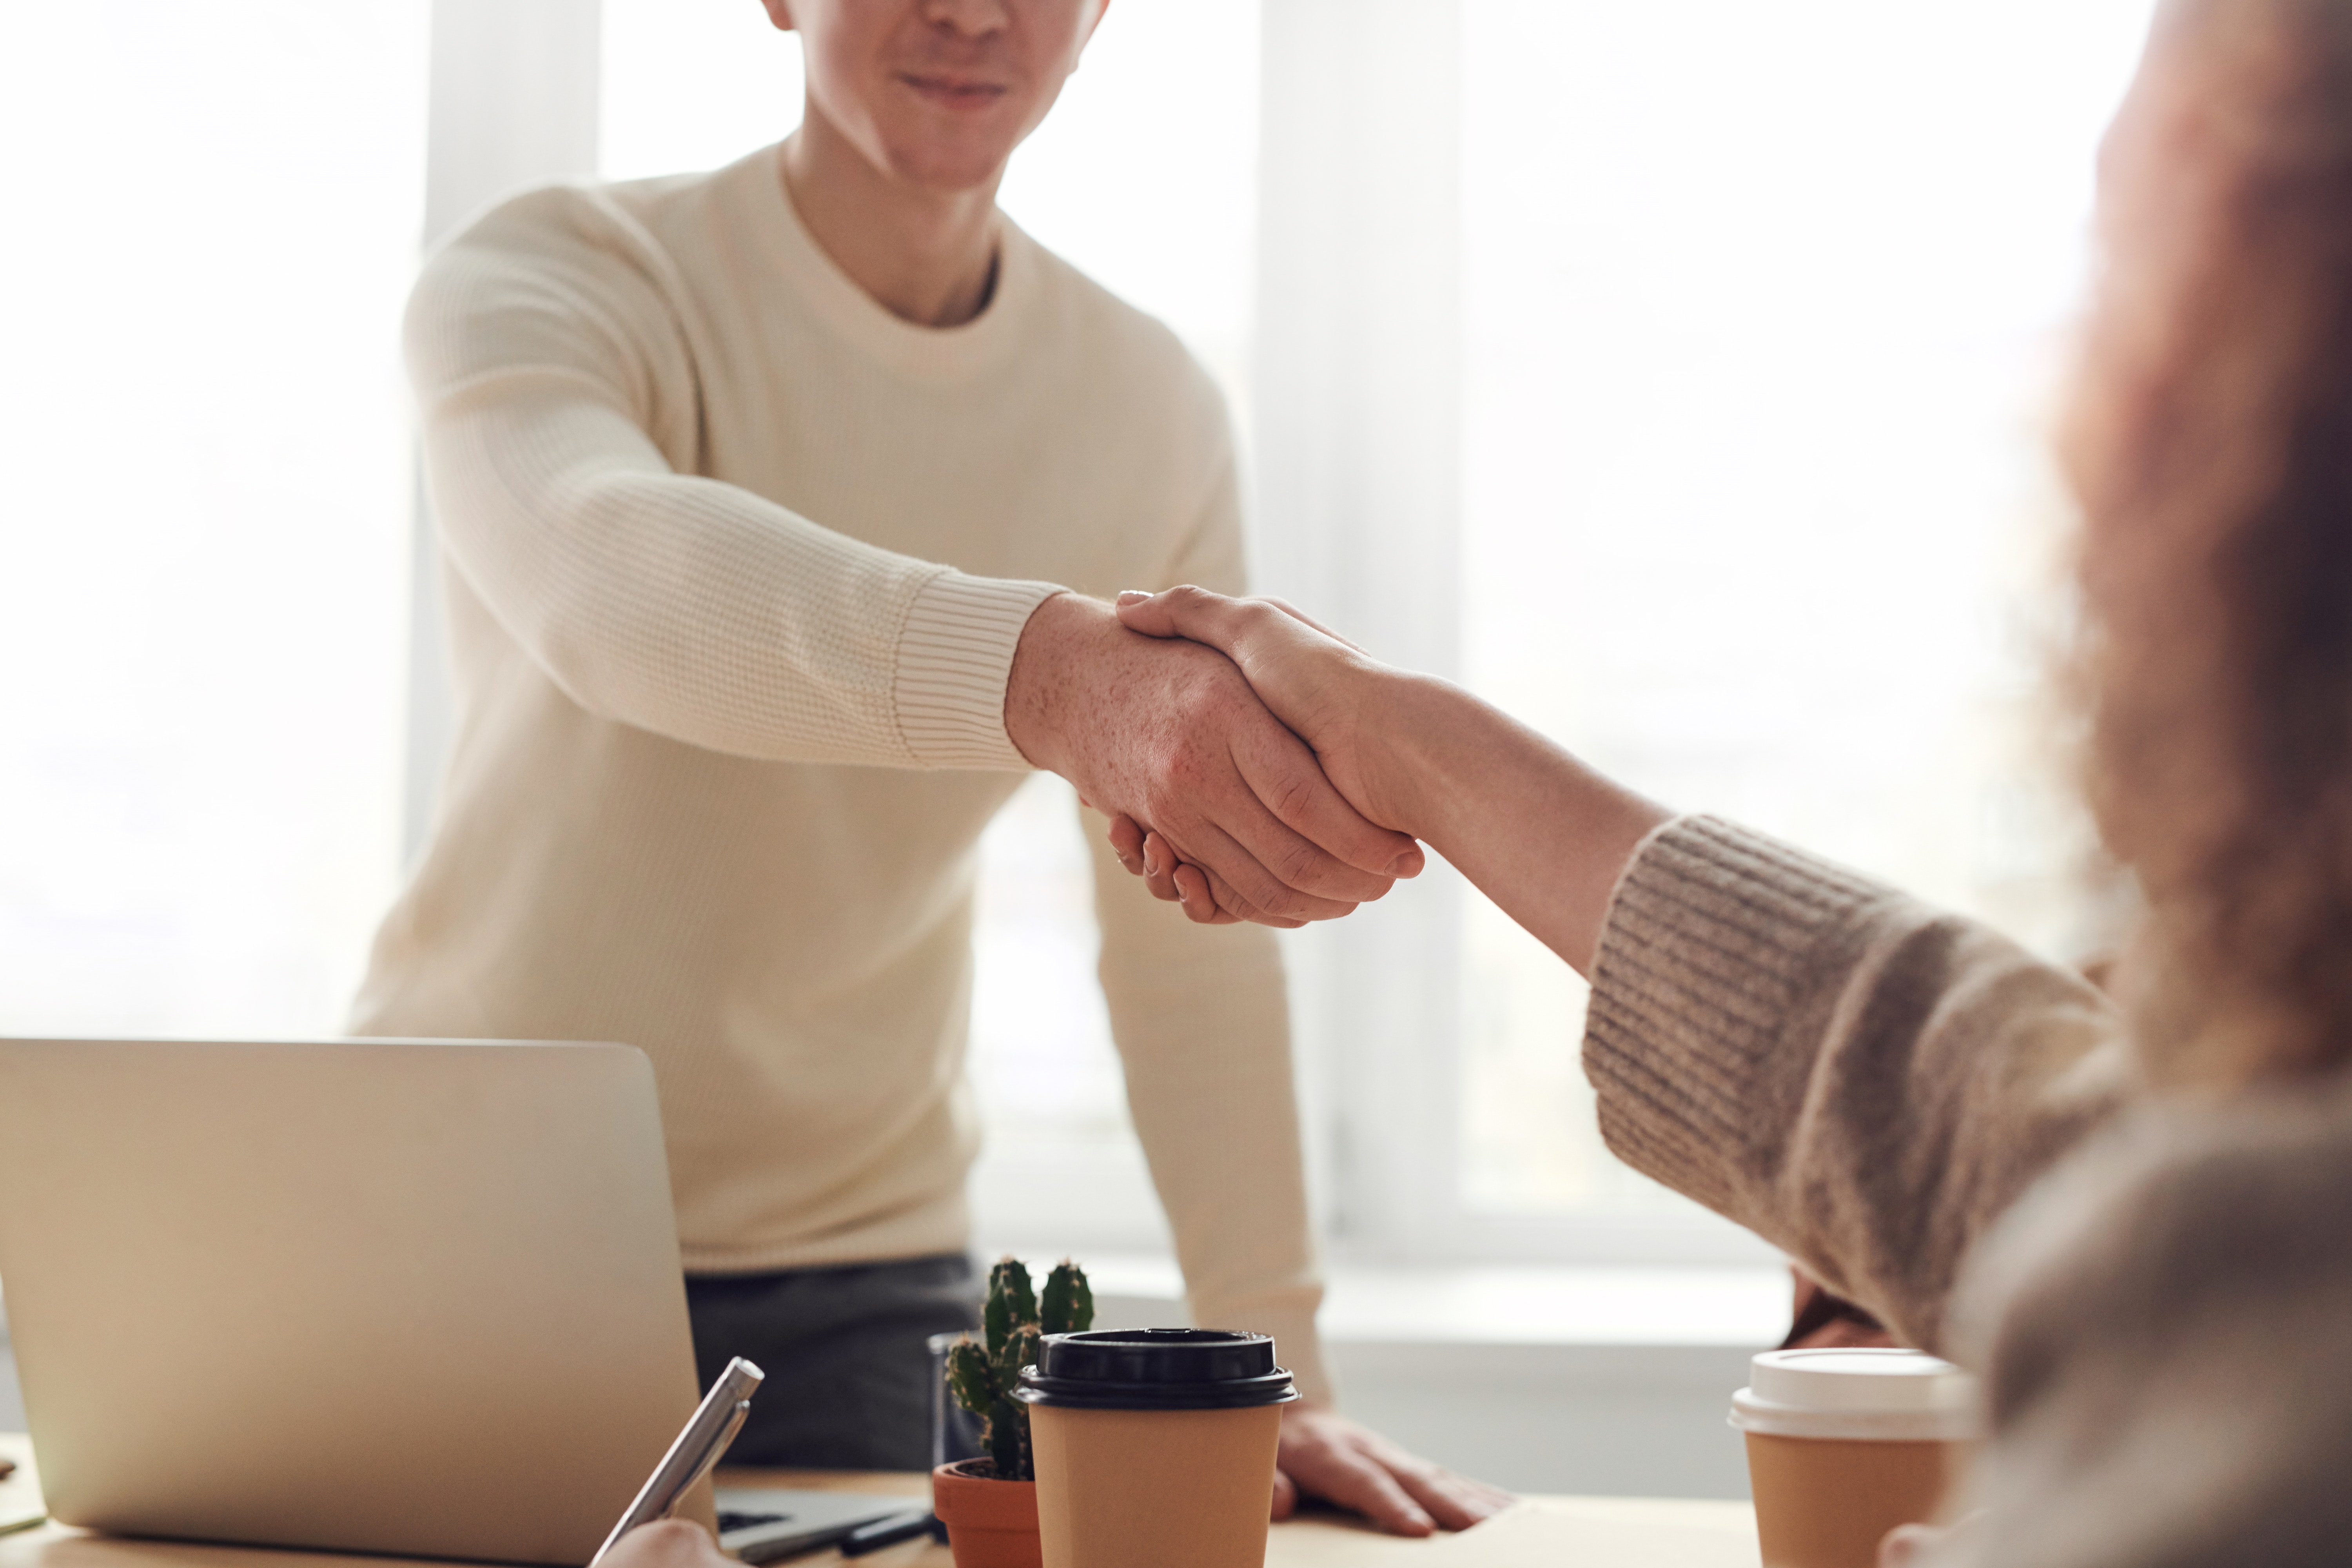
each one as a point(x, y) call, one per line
point(411, 1296)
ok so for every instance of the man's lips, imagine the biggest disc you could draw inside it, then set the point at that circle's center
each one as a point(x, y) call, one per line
point(955, 93)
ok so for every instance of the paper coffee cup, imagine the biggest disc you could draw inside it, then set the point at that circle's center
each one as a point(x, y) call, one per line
point(1155, 1447)
point(1844, 1444)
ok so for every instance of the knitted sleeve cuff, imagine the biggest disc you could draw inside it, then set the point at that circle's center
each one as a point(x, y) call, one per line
point(955, 655)
point(1713, 938)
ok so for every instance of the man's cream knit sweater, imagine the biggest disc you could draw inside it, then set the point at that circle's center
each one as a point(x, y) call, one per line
point(2158, 1292)
point(737, 563)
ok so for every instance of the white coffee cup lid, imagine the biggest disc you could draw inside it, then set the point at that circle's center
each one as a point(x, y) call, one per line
point(1884, 1396)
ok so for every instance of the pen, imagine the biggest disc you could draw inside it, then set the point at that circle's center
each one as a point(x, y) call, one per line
point(708, 1432)
point(887, 1531)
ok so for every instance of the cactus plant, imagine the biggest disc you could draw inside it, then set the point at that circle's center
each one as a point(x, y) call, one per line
point(983, 1376)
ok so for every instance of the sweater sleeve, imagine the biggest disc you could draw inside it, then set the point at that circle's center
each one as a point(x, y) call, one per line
point(1864, 1082)
point(561, 424)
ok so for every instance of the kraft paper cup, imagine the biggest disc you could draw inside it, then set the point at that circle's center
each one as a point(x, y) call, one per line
point(1155, 1447)
point(1844, 1444)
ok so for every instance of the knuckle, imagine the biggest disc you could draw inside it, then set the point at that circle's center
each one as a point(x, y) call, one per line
point(1277, 899)
point(1294, 796)
point(1296, 863)
point(1204, 702)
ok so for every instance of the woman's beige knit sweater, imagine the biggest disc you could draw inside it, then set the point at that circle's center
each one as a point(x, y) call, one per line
point(2159, 1294)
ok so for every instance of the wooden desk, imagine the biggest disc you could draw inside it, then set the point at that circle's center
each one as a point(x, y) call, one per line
point(1603, 1532)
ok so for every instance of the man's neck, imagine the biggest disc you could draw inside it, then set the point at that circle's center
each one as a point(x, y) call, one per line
point(926, 257)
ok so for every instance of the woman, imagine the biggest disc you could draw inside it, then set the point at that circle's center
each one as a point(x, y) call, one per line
point(2164, 1322)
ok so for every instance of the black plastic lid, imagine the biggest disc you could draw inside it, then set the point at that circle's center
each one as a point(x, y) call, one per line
point(1155, 1369)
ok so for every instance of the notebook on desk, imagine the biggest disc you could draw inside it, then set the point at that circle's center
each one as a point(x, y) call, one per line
point(20, 1493)
point(760, 1525)
point(420, 1299)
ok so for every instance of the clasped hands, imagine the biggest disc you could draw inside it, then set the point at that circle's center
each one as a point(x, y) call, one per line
point(1220, 736)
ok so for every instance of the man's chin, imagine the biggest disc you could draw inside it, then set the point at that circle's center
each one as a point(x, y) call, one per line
point(952, 170)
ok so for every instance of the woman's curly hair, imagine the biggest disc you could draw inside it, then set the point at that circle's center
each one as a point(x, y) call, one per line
point(2210, 445)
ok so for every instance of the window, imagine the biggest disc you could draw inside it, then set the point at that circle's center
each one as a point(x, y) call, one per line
point(1669, 373)
point(1672, 374)
point(1763, 307)
point(204, 601)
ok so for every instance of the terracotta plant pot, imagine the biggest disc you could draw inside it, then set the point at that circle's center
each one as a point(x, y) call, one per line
point(991, 1523)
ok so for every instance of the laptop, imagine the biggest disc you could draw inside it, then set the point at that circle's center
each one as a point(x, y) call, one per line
point(412, 1297)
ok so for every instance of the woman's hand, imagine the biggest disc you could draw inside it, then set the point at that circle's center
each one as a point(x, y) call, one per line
point(668, 1543)
point(1537, 831)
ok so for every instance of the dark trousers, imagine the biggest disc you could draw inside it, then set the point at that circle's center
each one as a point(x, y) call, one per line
point(849, 1374)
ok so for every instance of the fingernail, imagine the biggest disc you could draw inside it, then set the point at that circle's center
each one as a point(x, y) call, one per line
point(1132, 596)
point(1408, 864)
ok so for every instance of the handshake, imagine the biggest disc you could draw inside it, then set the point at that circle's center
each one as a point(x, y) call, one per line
point(1228, 740)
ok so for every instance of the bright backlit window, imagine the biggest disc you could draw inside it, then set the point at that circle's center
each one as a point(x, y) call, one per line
point(1763, 311)
point(203, 550)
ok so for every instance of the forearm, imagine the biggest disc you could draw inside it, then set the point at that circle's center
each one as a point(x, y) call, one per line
point(1539, 832)
point(701, 612)
point(1865, 1081)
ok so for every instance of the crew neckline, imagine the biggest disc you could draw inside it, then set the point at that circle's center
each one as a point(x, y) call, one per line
point(921, 352)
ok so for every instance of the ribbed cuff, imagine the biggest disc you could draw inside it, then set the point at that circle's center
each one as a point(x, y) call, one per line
point(955, 655)
point(1297, 1346)
point(1714, 937)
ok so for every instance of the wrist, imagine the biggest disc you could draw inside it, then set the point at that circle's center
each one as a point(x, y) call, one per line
point(1405, 754)
point(1041, 686)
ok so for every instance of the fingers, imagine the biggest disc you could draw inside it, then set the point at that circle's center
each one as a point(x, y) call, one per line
point(1285, 1497)
point(1221, 622)
point(1199, 898)
point(1224, 905)
point(1346, 1476)
point(1171, 880)
point(1159, 868)
point(1126, 843)
point(1271, 869)
point(1326, 1455)
point(1906, 1544)
point(1295, 613)
point(1362, 859)
point(1455, 1502)
point(668, 1543)
point(1186, 612)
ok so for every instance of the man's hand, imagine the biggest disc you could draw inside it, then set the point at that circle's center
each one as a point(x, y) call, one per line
point(668, 1543)
point(1315, 682)
point(1325, 1455)
point(1170, 734)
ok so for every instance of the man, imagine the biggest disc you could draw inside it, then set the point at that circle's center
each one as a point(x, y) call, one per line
point(779, 506)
